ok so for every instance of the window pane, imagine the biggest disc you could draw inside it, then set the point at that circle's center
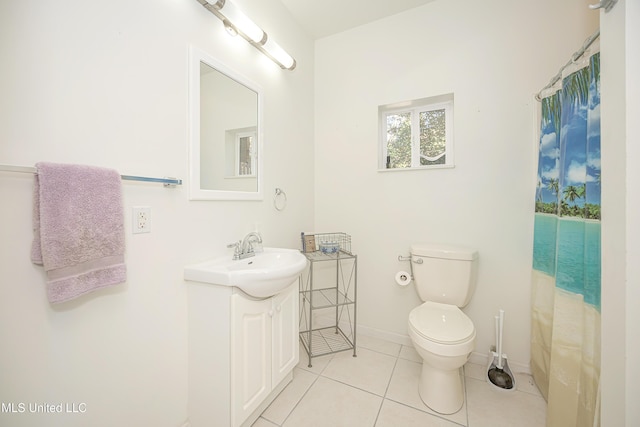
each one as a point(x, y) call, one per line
point(398, 140)
point(244, 153)
point(432, 137)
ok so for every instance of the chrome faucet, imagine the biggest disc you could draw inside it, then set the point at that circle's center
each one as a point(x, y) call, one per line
point(245, 248)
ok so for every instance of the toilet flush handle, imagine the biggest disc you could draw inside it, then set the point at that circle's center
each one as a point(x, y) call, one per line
point(410, 258)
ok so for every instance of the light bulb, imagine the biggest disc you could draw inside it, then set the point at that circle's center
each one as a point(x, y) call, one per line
point(279, 55)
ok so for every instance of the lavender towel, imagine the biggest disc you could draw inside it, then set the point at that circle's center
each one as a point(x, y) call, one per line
point(78, 226)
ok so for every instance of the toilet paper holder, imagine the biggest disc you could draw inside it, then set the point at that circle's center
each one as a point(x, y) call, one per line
point(411, 261)
point(401, 276)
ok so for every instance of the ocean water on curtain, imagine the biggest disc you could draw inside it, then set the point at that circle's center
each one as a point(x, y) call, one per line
point(576, 267)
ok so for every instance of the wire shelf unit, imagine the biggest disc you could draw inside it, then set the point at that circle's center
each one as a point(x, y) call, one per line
point(328, 293)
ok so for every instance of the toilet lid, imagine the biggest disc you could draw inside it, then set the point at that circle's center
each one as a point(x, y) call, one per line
point(442, 323)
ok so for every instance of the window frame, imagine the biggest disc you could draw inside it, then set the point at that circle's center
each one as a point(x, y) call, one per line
point(237, 145)
point(415, 107)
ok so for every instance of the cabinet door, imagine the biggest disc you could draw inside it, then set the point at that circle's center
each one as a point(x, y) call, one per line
point(285, 333)
point(251, 323)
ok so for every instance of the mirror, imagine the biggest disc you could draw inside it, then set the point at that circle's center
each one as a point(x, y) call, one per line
point(225, 132)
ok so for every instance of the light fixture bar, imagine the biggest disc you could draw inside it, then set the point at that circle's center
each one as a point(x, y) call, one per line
point(239, 20)
point(236, 21)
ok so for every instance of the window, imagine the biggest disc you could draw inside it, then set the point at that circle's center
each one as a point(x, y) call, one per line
point(417, 134)
point(241, 155)
point(245, 158)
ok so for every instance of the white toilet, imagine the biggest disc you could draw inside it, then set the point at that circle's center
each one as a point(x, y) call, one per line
point(445, 277)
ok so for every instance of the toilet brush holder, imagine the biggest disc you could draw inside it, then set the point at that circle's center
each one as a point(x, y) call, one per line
point(492, 362)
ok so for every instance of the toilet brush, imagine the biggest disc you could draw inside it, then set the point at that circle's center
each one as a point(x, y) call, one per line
point(493, 353)
point(500, 375)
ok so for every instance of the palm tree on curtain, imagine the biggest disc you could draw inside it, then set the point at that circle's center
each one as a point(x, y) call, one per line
point(551, 111)
point(554, 187)
point(538, 207)
point(571, 193)
point(576, 87)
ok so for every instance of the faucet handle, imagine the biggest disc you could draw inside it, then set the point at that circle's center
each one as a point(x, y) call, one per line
point(236, 245)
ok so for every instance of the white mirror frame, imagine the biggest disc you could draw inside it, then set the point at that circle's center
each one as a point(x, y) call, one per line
point(196, 56)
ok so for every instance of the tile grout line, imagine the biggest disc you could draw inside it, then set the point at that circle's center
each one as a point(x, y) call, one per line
point(466, 394)
point(435, 415)
point(384, 397)
point(352, 386)
point(305, 369)
point(297, 403)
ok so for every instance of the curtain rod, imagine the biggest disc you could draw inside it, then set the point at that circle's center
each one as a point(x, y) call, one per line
point(607, 5)
point(588, 42)
point(168, 182)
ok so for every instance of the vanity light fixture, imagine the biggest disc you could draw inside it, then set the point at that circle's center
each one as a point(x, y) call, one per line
point(236, 22)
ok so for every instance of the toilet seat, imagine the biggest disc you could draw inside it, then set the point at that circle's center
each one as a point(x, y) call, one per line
point(443, 324)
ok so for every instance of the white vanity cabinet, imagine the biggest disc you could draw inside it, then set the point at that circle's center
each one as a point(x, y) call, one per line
point(242, 352)
point(264, 348)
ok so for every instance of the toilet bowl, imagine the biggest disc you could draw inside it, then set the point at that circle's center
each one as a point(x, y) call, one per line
point(444, 337)
point(445, 278)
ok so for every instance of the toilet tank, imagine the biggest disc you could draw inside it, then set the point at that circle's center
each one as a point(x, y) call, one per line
point(444, 273)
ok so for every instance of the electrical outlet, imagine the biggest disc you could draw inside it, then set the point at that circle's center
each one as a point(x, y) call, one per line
point(141, 219)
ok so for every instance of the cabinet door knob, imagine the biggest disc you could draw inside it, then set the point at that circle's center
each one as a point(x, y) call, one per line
point(279, 308)
point(270, 313)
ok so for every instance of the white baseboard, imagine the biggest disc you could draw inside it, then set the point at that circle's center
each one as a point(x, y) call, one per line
point(384, 335)
point(322, 320)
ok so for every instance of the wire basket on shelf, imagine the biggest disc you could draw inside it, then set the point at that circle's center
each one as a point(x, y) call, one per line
point(326, 243)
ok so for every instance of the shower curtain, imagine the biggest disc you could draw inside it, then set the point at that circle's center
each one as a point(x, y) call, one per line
point(565, 338)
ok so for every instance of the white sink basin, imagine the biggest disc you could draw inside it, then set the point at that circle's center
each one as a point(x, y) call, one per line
point(261, 276)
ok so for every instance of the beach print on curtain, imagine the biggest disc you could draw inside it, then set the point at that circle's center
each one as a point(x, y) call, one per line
point(565, 339)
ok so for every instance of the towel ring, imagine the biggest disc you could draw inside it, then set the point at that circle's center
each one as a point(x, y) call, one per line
point(280, 203)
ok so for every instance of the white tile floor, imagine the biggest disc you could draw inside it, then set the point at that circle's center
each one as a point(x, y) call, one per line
point(380, 388)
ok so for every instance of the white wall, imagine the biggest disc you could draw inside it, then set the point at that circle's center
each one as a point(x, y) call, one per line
point(620, 64)
point(105, 83)
point(493, 55)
